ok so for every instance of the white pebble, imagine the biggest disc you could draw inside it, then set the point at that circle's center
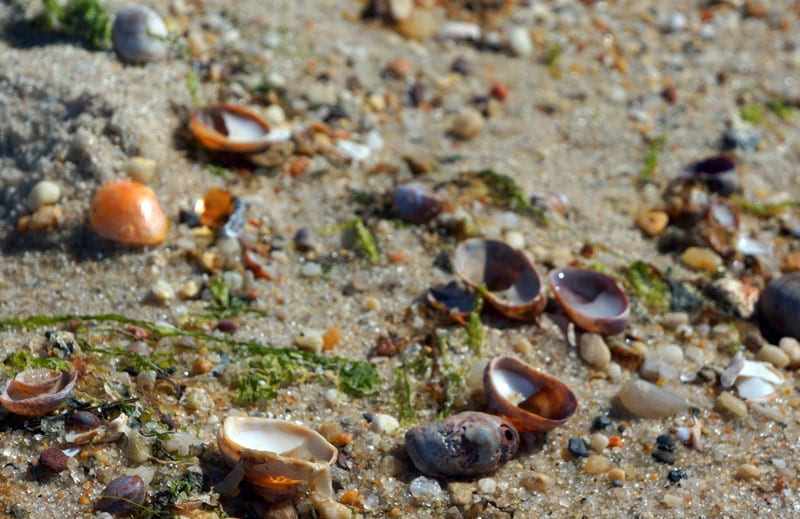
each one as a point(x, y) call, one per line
point(43, 193)
point(519, 41)
point(670, 353)
point(311, 269)
point(791, 347)
point(310, 340)
point(514, 239)
point(162, 291)
point(594, 351)
point(140, 169)
point(332, 397)
point(384, 424)
point(487, 486)
point(426, 490)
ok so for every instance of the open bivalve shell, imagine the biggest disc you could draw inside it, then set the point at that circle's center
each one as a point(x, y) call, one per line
point(514, 286)
point(233, 128)
point(529, 399)
point(37, 391)
point(277, 455)
point(591, 300)
point(754, 380)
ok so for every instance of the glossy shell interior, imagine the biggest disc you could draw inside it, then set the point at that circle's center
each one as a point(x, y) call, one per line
point(233, 128)
point(35, 392)
point(592, 300)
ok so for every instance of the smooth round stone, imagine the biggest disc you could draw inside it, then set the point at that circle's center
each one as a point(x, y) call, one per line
point(791, 347)
point(519, 41)
point(43, 193)
point(672, 501)
point(487, 486)
point(616, 474)
point(538, 481)
point(467, 124)
point(670, 353)
point(162, 291)
point(774, 355)
point(460, 493)
point(597, 464)
point(646, 400)
point(748, 472)
point(384, 424)
point(598, 441)
point(140, 169)
point(594, 351)
point(233, 280)
point(732, 404)
point(701, 258)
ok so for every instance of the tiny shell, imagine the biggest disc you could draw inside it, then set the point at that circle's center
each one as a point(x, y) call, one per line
point(129, 213)
point(138, 35)
point(416, 203)
point(35, 392)
point(233, 128)
point(464, 444)
point(528, 398)
point(592, 300)
point(514, 286)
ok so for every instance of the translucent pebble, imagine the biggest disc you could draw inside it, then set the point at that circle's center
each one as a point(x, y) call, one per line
point(646, 400)
point(426, 490)
point(43, 193)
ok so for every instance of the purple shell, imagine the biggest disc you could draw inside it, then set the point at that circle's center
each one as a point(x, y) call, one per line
point(591, 299)
point(416, 203)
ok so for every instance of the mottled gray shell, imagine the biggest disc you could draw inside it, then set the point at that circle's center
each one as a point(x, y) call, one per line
point(138, 35)
point(464, 444)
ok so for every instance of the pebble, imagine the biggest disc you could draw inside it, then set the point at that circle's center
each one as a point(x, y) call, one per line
point(791, 347)
point(674, 320)
point(601, 423)
point(140, 169)
point(774, 355)
point(45, 218)
point(426, 490)
point(514, 239)
point(577, 447)
point(599, 441)
point(400, 9)
point(665, 442)
point(676, 475)
point(701, 258)
point(467, 124)
point(43, 193)
point(672, 501)
point(162, 291)
point(616, 474)
point(274, 114)
point(310, 340)
point(662, 456)
point(652, 222)
point(646, 400)
point(594, 351)
point(487, 486)
point(233, 280)
point(748, 472)
point(384, 424)
point(732, 404)
point(614, 371)
point(53, 459)
point(460, 493)
point(399, 68)
point(311, 269)
point(371, 303)
point(597, 464)
point(519, 41)
point(537, 481)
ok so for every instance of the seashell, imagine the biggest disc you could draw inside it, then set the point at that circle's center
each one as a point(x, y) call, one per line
point(717, 172)
point(453, 298)
point(37, 391)
point(513, 285)
point(779, 307)
point(138, 35)
point(233, 128)
point(416, 203)
point(644, 399)
point(592, 300)
point(529, 399)
point(124, 495)
point(277, 455)
point(754, 380)
point(463, 444)
point(129, 213)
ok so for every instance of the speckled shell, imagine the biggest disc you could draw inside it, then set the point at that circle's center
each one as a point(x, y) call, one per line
point(35, 392)
point(591, 300)
point(127, 212)
point(529, 399)
point(464, 444)
point(210, 126)
point(779, 307)
point(138, 35)
point(514, 286)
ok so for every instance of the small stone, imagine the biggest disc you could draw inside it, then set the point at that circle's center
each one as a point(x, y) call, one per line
point(594, 351)
point(460, 493)
point(674, 320)
point(597, 464)
point(601, 423)
point(676, 475)
point(43, 193)
point(311, 269)
point(514, 239)
point(670, 353)
point(646, 400)
point(519, 41)
point(140, 169)
point(577, 447)
point(227, 325)
point(701, 258)
point(614, 371)
point(791, 347)
point(487, 486)
point(672, 501)
point(616, 474)
point(53, 459)
point(537, 481)
point(310, 340)
point(399, 67)
point(665, 442)
point(652, 222)
point(523, 346)
point(190, 289)
point(400, 9)
point(201, 366)
point(774, 355)
point(467, 124)
point(162, 291)
point(371, 303)
point(748, 472)
point(426, 490)
point(45, 218)
point(384, 424)
point(598, 441)
point(662, 456)
point(732, 404)
point(274, 114)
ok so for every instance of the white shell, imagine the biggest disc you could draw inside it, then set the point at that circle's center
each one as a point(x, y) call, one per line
point(754, 380)
point(754, 388)
point(138, 35)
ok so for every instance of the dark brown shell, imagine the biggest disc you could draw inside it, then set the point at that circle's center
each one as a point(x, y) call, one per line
point(37, 391)
point(779, 307)
point(591, 299)
point(464, 444)
point(529, 399)
point(514, 286)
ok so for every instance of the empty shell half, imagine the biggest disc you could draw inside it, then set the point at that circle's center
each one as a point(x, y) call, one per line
point(512, 282)
point(233, 128)
point(591, 300)
point(277, 455)
point(529, 399)
point(37, 391)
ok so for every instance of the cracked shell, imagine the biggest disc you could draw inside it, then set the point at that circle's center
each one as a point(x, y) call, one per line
point(463, 444)
point(233, 128)
point(591, 300)
point(127, 212)
point(37, 391)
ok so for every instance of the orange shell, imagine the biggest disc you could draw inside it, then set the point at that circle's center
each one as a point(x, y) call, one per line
point(129, 213)
point(203, 126)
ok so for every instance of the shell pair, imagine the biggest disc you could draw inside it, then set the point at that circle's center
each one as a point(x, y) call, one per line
point(511, 283)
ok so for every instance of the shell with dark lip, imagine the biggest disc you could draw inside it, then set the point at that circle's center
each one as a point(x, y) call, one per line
point(779, 307)
point(514, 286)
point(37, 391)
point(591, 299)
point(233, 128)
point(529, 399)
point(464, 444)
point(417, 203)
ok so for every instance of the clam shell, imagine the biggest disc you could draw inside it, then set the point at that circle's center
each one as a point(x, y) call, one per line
point(127, 212)
point(529, 399)
point(138, 35)
point(277, 455)
point(779, 306)
point(464, 444)
point(35, 392)
point(514, 286)
point(592, 300)
point(416, 203)
point(233, 128)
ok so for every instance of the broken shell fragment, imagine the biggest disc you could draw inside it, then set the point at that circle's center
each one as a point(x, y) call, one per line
point(529, 399)
point(416, 203)
point(779, 306)
point(277, 455)
point(717, 172)
point(591, 299)
point(463, 444)
point(233, 128)
point(37, 391)
point(129, 213)
point(754, 380)
point(138, 35)
point(453, 298)
point(513, 285)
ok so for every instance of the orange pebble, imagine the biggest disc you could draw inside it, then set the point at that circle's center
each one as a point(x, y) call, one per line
point(614, 441)
point(129, 213)
point(331, 338)
point(350, 497)
point(397, 257)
